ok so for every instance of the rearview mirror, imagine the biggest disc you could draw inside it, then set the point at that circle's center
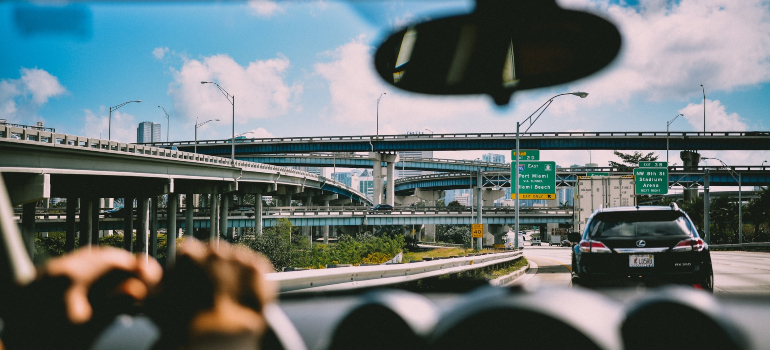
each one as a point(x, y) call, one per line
point(503, 46)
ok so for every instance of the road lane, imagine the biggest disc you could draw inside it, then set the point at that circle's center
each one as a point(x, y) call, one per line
point(741, 272)
point(549, 266)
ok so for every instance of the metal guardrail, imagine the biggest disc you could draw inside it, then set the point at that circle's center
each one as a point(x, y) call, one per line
point(344, 278)
point(52, 139)
point(661, 134)
point(740, 246)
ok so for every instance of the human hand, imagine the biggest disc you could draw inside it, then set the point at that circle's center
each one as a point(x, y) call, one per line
point(213, 296)
point(76, 296)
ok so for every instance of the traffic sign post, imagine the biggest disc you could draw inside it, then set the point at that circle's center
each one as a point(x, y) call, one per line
point(651, 180)
point(477, 231)
point(537, 180)
point(526, 154)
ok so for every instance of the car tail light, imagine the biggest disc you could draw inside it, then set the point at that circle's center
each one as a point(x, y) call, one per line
point(689, 245)
point(593, 247)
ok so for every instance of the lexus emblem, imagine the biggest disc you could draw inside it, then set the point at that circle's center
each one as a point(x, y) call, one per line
point(641, 243)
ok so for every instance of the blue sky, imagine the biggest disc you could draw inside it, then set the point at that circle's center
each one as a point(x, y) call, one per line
point(304, 69)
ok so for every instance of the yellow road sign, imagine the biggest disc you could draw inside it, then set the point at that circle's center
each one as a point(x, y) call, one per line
point(536, 196)
point(477, 230)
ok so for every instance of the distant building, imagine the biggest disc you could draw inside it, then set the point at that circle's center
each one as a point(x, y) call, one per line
point(493, 158)
point(463, 199)
point(148, 132)
point(348, 178)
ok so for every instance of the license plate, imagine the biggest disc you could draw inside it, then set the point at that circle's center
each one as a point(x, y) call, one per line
point(643, 260)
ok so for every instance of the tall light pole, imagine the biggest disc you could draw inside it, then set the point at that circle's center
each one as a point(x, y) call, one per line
point(431, 131)
point(740, 200)
point(515, 171)
point(378, 112)
point(668, 123)
point(197, 125)
point(704, 107)
point(114, 108)
point(231, 99)
point(168, 122)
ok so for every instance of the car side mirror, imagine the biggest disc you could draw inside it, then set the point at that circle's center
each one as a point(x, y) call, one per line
point(501, 47)
point(573, 237)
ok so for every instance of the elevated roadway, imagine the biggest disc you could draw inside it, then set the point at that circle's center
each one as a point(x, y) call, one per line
point(352, 160)
point(48, 221)
point(630, 140)
point(718, 176)
point(71, 165)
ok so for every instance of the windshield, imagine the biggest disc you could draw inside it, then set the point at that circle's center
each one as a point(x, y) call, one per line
point(639, 224)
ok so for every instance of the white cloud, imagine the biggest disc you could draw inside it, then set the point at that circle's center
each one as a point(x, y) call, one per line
point(20, 99)
point(264, 8)
point(123, 127)
point(354, 87)
point(717, 118)
point(259, 88)
point(670, 48)
point(259, 133)
point(160, 52)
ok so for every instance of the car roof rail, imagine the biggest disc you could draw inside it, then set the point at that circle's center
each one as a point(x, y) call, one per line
point(674, 206)
point(601, 208)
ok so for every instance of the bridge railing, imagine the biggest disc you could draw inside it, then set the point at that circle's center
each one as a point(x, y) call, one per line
point(51, 139)
point(375, 138)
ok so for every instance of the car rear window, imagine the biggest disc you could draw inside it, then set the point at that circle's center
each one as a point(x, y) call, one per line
point(641, 223)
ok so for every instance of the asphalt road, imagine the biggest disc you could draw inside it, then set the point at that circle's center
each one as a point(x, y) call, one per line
point(734, 272)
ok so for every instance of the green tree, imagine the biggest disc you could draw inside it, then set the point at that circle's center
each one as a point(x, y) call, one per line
point(630, 161)
point(441, 203)
point(455, 234)
point(455, 205)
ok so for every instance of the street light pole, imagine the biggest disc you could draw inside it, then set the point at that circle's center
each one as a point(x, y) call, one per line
point(168, 122)
point(668, 123)
point(231, 99)
point(196, 131)
point(515, 172)
point(378, 113)
point(704, 108)
point(109, 123)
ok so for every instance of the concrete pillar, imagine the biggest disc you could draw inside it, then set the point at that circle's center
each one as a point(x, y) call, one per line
point(86, 211)
point(108, 203)
point(204, 200)
point(690, 160)
point(326, 227)
point(390, 193)
point(377, 179)
point(214, 223)
point(479, 203)
point(498, 231)
point(257, 214)
point(95, 211)
point(28, 227)
point(189, 224)
point(128, 224)
point(223, 214)
point(430, 233)
point(171, 231)
point(142, 207)
point(152, 248)
point(71, 229)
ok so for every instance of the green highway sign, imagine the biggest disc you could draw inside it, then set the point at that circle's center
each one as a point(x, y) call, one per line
point(537, 180)
point(526, 154)
point(653, 165)
point(598, 174)
point(651, 180)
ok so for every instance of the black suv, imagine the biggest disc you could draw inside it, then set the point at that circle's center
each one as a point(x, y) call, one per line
point(655, 244)
point(381, 207)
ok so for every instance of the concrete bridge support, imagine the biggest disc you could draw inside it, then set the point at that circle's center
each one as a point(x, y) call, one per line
point(690, 161)
point(223, 214)
point(171, 232)
point(86, 224)
point(128, 224)
point(142, 207)
point(257, 214)
point(326, 227)
point(489, 196)
point(430, 233)
point(153, 221)
point(28, 227)
point(189, 210)
point(214, 214)
point(497, 232)
point(95, 206)
point(390, 160)
point(428, 196)
point(70, 227)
